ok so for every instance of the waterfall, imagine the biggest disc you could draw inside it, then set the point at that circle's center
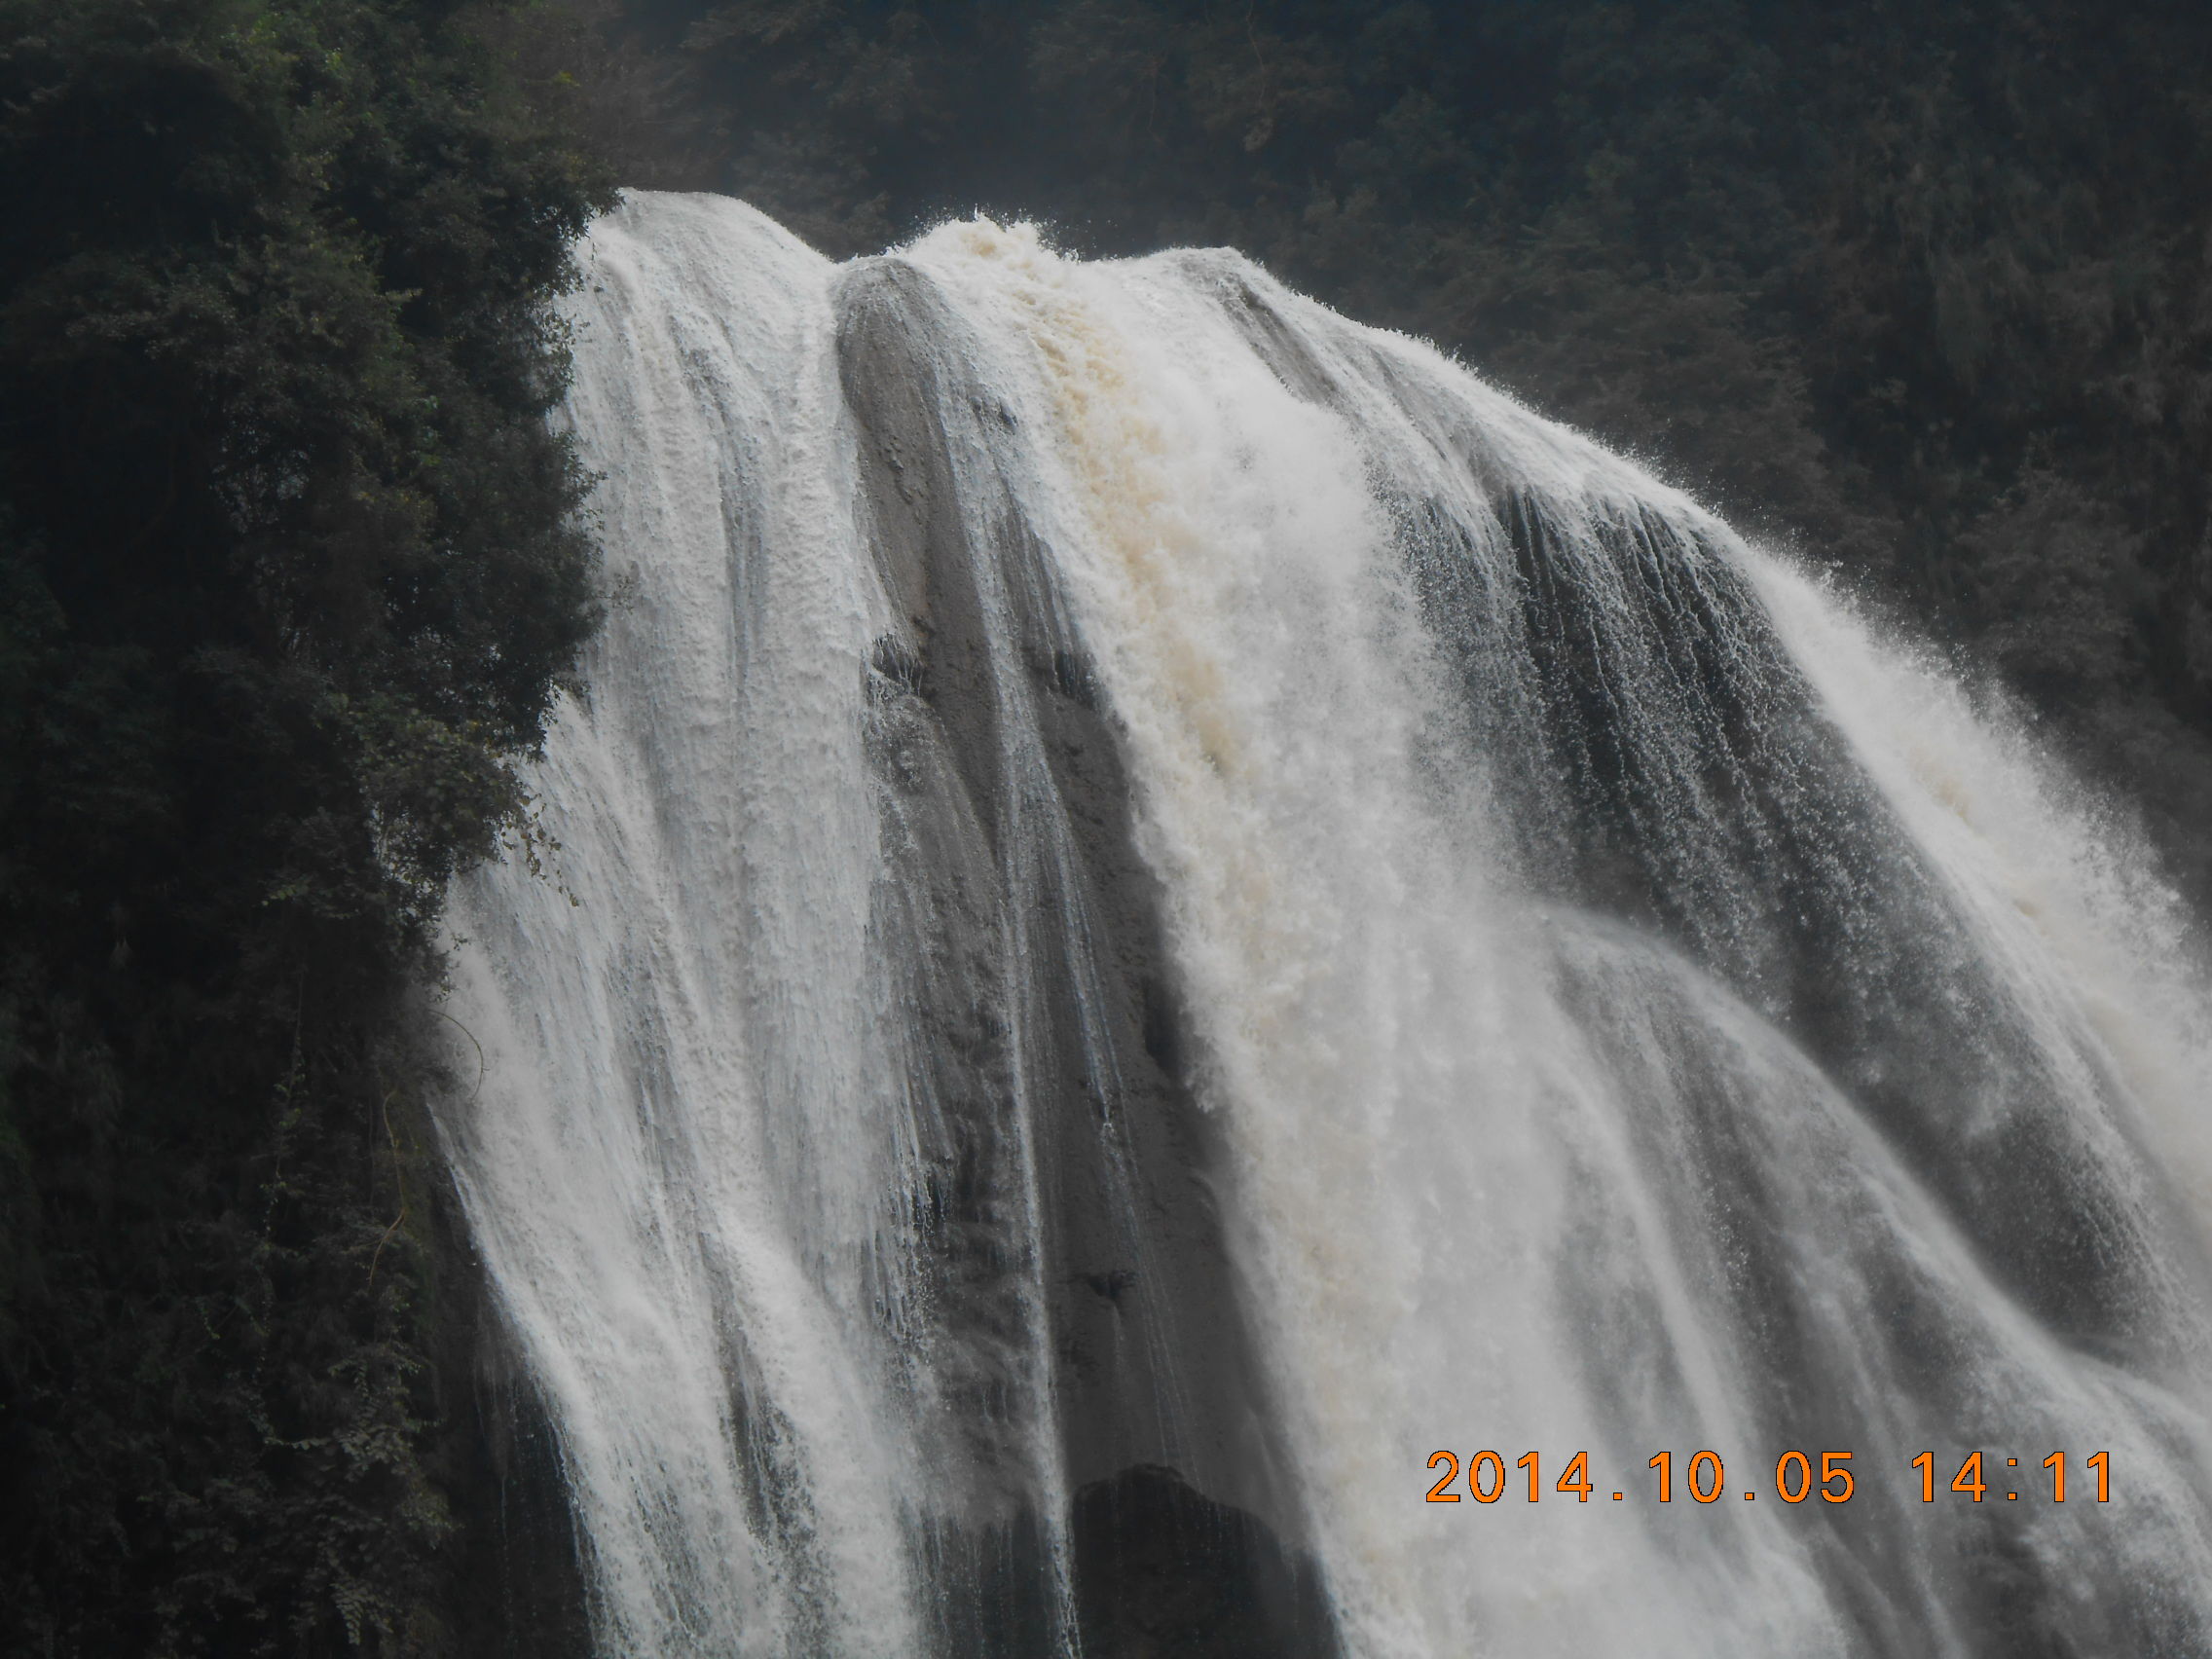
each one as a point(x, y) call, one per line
point(1155, 905)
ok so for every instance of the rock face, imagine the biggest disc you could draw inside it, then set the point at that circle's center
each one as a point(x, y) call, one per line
point(516, 1586)
point(1164, 1572)
point(1155, 905)
point(1154, 1373)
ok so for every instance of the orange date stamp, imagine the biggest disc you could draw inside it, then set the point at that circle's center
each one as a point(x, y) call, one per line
point(1796, 1478)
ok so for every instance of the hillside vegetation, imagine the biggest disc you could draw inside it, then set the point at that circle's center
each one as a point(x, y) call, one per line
point(289, 570)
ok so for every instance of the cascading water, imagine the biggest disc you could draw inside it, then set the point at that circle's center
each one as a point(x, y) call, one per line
point(1164, 905)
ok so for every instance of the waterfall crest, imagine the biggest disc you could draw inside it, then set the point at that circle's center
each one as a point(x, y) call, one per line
point(1158, 903)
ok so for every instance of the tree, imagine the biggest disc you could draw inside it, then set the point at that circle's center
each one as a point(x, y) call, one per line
point(291, 569)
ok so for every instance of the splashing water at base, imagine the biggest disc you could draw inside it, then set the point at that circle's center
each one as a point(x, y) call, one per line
point(1166, 882)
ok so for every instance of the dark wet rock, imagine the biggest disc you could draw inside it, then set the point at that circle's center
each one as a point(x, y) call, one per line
point(1164, 1572)
point(515, 1576)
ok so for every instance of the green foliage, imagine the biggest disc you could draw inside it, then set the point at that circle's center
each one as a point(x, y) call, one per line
point(288, 573)
point(1926, 289)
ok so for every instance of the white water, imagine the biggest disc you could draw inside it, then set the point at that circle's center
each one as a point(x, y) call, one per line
point(1641, 1010)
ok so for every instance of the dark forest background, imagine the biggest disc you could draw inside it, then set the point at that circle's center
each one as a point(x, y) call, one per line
point(290, 568)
